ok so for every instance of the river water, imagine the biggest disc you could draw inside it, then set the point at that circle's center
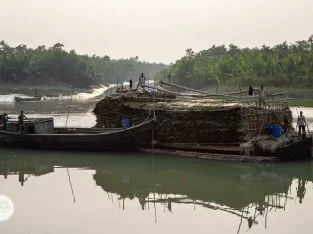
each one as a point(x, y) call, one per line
point(69, 192)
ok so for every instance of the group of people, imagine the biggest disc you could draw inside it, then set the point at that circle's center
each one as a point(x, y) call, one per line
point(20, 118)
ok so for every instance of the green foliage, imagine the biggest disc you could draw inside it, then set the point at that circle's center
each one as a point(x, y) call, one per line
point(285, 65)
point(111, 71)
point(46, 66)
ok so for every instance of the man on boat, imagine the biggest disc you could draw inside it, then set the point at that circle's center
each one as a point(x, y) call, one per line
point(21, 118)
point(169, 76)
point(286, 124)
point(4, 120)
point(301, 123)
point(142, 80)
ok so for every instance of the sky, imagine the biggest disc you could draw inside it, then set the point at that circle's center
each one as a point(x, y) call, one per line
point(154, 30)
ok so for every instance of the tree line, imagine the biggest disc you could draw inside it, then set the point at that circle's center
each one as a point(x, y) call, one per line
point(281, 65)
point(54, 65)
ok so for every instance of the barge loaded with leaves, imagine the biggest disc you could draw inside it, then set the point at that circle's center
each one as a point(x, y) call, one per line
point(234, 126)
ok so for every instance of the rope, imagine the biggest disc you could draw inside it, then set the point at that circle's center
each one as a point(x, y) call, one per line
point(69, 107)
point(137, 138)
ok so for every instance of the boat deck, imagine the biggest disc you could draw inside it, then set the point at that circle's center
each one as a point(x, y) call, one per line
point(84, 130)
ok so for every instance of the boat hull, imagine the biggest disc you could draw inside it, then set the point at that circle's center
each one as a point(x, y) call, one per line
point(297, 151)
point(33, 99)
point(130, 139)
point(300, 150)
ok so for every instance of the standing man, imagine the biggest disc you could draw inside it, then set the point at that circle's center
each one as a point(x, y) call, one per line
point(130, 84)
point(286, 124)
point(142, 80)
point(4, 121)
point(261, 96)
point(21, 118)
point(169, 76)
point(301, 123)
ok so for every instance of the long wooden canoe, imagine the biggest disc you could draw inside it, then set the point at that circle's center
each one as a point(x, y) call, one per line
point(117, 139)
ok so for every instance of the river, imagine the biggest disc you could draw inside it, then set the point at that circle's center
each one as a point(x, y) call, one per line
point(69, 192)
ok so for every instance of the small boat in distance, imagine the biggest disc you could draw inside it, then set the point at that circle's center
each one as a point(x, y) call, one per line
point(31, 99)
point(41, 134)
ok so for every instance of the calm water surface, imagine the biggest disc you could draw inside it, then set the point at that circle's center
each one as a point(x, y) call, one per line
point(57, 192)
point(67, 192)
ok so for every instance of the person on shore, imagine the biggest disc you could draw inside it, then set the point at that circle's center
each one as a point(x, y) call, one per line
point(130, 84)
point(301, 123)
point(21, 118)
point(4, 120)
point(142, 80)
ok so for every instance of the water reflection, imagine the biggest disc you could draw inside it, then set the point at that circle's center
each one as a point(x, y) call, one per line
point(249, 192)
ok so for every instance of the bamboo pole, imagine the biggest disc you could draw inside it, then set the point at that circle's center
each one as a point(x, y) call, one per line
point(182, 87)
point(192, 95)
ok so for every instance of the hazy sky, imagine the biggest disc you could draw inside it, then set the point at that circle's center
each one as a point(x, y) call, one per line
point(154, 30)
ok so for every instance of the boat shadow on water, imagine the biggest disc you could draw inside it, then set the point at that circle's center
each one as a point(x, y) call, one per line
point(249, 192)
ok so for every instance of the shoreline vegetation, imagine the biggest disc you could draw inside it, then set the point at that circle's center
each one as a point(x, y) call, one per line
point(283, 65)
point(286, 67)
point(52, 70)
point(47, 66)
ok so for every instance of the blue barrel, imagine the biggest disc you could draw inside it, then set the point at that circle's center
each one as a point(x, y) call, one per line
point(276, 131)
point(125, 123)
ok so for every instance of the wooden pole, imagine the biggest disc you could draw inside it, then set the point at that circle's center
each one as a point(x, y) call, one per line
point(182, 87)
point(192, 95)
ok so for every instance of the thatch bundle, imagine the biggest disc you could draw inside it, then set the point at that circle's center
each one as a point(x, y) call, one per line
point(188, 121)
point(271, 144)
point(193, 125)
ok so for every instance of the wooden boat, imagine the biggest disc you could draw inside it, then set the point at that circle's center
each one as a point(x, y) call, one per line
point(41, 134)
point(32, 99)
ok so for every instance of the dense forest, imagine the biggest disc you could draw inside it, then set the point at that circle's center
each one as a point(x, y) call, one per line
point(287, 65)
point(54, 66)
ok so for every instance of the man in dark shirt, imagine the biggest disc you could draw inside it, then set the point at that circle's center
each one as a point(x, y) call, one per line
point(4, 120)
point(21, 118)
